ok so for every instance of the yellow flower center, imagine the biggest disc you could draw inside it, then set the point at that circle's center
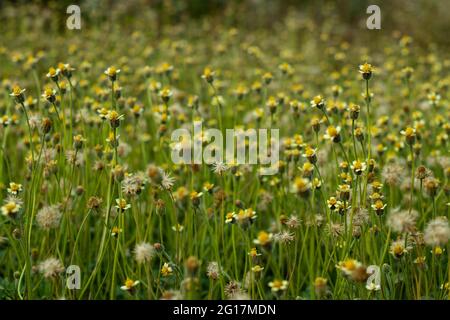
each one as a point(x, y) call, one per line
point(10, 206)
point(207, 72)
point(349, 264)
point(301, 184)
point(14, 186)
point(366, 68)
point(113, 115)
point(379, 204)
point(332, 131)
point(309, 152)
point(263, 237)
point(129, 283)
point(277, 284)
point(122, 203)
point(17, 91)
point(48, 92)
point(112, 71)
point(398, 249)
point(317, 99)
point(409, 132)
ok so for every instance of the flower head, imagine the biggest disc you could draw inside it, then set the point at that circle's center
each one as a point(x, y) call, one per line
point(333, 134)
point(53, 74)
point(301, 186)
point(11, 207)
point(129, 284)
point(263, 238)
point(366, 70)
point(166, 270)
point(144, 252)
point(49, 217)
point(17, 93)
point(399, 248)
point(49, 95)
point(14, 188)
point(112, 73)
point(358, 167)
point(318, 102)
point(437, 232)
point(410, 135)
point(122, 205)
point(278, 285)
point(51, 268)
point(208, 75)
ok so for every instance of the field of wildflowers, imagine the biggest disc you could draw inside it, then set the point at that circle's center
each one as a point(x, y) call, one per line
point(94, 207)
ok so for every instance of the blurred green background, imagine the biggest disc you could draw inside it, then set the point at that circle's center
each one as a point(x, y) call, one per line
point(427, 20)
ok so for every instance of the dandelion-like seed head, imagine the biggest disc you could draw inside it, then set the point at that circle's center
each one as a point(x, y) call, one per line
point(144, 252)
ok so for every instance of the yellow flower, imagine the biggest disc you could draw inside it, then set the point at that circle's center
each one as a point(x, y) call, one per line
point(410, 135)
point(177, 228)
point(398, 248)
point(195, 197)
point(310, 154)
point(318, 102)
point(358, 167)
point(166, 270)
point(437, 251)
point(49, 94)
point(17, 93)
point(78, 141)
point(129, 284)
point(5, 120)
point(285, 68)
point(366, 70)
point(208, 75)
point(267, 77)
point(164, 68)
point(165, 94)
point(122, 205)
point(254, 253)
point(53, 74)
point(230, 217)
point(379, 206)
point(114, 118)
point(115, 231)
point(301, 186)
point(333, 203)
point(263, 238)
point(11, 207)
point(278, 285)
point(112, 73)
point(434, 98)
point(137, 110)
point(257, 268)
point(320, 282)
point(103, 113)
point(333, 134)
point(14, 188)
point(445, 286)
point(348, 266)
point(208, 187)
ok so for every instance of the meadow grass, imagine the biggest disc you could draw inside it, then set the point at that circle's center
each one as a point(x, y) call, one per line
point(87, 179)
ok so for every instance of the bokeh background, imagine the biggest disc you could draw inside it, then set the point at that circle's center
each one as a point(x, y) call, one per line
point(427, 20)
